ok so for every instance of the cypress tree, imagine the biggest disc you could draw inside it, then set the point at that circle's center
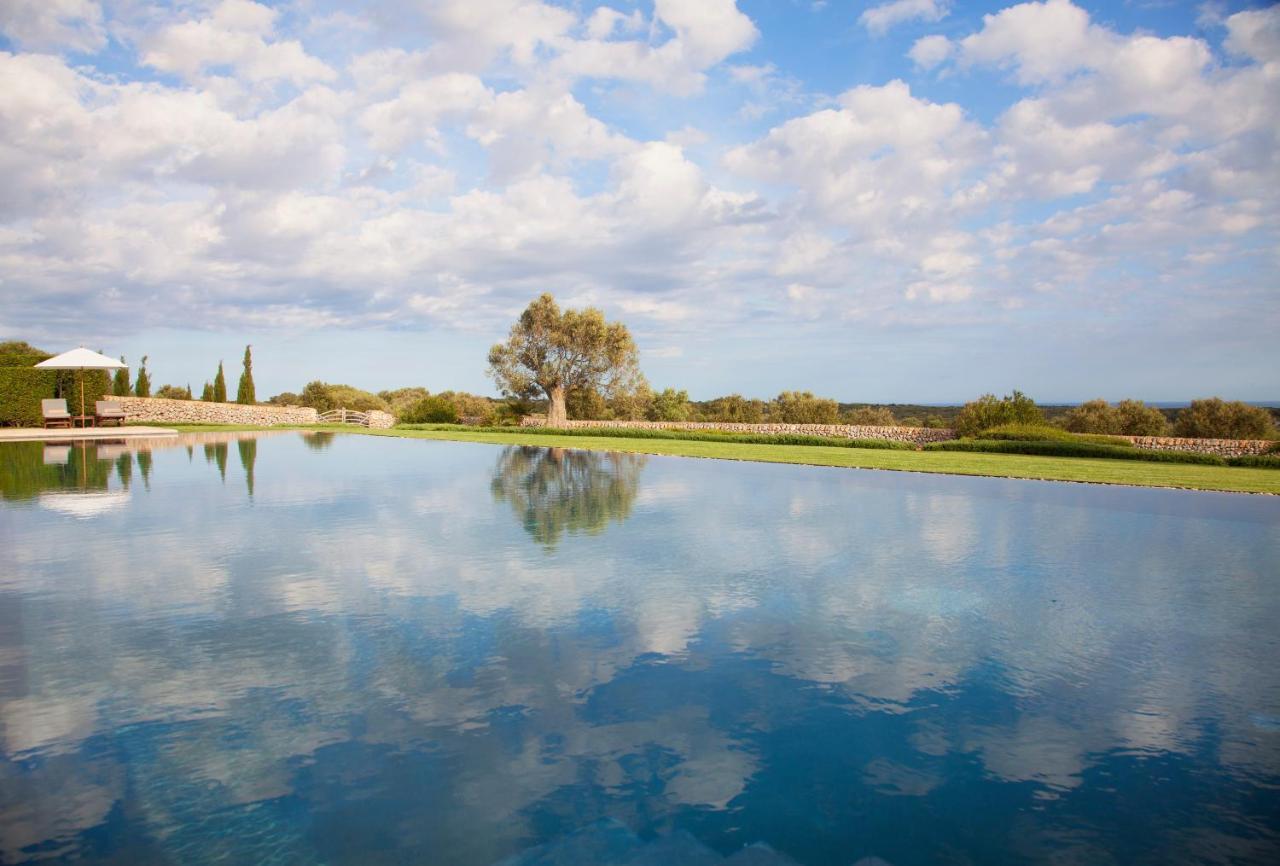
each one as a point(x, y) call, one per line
point(142, 387)
point(206, 396)
point(219, 386)
point(189, 397)
point(120, 386)
point(245, 393)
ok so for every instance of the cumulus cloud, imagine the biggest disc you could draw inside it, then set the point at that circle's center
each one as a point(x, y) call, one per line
point(237, 34)
point(50, 25)
point(929, 51)
point(497, 153)
point(880, 19)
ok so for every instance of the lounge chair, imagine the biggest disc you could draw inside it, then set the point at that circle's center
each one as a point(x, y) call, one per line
point(55, 413)
point(106, 410)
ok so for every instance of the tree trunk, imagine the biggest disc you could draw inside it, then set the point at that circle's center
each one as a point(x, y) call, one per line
point(556, 413)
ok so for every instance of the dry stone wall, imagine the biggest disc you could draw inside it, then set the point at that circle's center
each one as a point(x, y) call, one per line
point(165, 411)
point(1221, 447)
point(915, 435)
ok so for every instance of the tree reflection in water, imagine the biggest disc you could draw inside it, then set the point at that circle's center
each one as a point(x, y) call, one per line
point(556, 490)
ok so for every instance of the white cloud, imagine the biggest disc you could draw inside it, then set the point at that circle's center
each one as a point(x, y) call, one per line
point(882, 157)
point(1255, 33)
point(236, 34)
point(880, 19)
point(1044, 41)
point(54, 24)
point(929, 51)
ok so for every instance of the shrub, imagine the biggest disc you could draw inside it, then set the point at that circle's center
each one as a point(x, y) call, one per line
point(16, 353)
point(1092, 416)
point(173, 392)
point(1075, 449)
point(323, 396)
point(734, 409)
point(470, 405)
point(1216, 418)
point(402, 399)
point(872, 416)
point(801, 407)
point(21, 390)
point(284, 398)
point(1139, 419)
point(586, 404)
point(120, 386)
point(1128, 418)
point(1256, 461)
point(991, 411)
point(1048, 433)
point(935, 422)
point(432, 410)
point(670, 405)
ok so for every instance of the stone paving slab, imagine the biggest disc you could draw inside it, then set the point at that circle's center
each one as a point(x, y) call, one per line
point(62, 434)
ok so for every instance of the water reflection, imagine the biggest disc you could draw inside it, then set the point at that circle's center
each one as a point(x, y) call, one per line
point(557, 490)
point(382, 666)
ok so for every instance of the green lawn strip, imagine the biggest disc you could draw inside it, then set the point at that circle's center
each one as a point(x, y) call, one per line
point(1091, 470)
point(1098, 471)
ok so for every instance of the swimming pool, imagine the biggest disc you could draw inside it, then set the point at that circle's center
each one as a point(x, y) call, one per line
point(295, 648)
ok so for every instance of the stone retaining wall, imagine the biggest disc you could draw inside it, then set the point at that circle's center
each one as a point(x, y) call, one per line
point(165, 411)
point(1221, 447)
point(915, 435)
point(379, 420)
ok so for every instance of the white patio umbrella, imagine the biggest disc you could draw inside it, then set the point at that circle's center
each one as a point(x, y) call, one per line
point(82, 359)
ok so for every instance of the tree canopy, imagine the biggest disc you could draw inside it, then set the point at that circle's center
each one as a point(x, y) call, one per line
point(552, 351)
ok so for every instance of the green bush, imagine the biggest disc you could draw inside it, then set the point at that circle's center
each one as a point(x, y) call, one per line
point(872, 416)
point(21, 390)
point(432, 410)
point(323, 396)
point(1048, 433)
point(16, 353)
point(1075, 449)
point(801, 407)
point(1127, 418)
point(991, 411)
point(1256, 461)
point(1216, 418)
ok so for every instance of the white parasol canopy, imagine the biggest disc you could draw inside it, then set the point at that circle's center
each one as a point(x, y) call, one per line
point(82, 359)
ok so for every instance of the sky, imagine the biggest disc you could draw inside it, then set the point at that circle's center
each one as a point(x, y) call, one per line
point(907, 201)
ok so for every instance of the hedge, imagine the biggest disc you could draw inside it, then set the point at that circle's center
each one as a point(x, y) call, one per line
point(22, 389)
point(1076, 449)
point(1256, 461)
point(1045, 433)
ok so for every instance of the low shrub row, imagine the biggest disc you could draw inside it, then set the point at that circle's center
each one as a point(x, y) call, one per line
point(1047, 433)
point(1256, 461)
point(1075, 449)
point(689, 435)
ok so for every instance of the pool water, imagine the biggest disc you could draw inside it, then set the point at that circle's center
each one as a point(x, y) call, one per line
point(327, 649)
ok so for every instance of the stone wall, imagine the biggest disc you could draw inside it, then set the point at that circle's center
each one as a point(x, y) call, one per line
point(164, 411)
point(1221, 447)
point(915, 435)
point(380, 420)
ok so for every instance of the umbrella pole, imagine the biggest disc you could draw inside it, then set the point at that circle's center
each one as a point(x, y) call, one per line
point(80, 376)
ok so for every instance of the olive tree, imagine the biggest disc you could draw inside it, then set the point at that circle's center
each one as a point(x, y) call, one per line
point(552, 351)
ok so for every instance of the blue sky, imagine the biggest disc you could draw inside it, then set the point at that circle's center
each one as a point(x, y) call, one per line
point(898, 201)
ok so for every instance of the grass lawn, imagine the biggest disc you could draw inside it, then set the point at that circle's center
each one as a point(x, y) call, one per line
point(1224, 478)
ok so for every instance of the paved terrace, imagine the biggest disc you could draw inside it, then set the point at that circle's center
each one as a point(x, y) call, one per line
point(62, 434)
